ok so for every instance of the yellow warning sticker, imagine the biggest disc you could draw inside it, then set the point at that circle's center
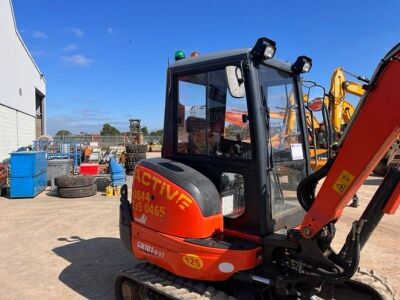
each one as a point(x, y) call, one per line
point(344, 180)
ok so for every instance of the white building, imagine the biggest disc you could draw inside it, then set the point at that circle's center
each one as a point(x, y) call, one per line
point(22, 88)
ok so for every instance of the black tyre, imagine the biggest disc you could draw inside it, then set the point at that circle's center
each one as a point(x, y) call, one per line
point(129, 148)
point(133, 161)
point(73, 181)
point(129, 172)
point(135, 156)
point(132, 148)
point(130, 165)
point(77, 192)
point(102, 183)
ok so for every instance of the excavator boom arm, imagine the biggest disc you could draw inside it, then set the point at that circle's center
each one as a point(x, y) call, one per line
point(342, 110)
point(354, 88)
point(351, 166)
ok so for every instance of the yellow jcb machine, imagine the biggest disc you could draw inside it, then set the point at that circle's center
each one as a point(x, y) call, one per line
point(339, 112)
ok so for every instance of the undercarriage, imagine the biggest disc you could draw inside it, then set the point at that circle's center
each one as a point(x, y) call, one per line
point(148, 282)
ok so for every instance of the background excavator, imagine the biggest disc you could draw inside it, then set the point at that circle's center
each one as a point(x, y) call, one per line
point(217, 216)
point(340, 112)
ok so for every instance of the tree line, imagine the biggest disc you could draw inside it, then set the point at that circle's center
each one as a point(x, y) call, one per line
point(109, 130)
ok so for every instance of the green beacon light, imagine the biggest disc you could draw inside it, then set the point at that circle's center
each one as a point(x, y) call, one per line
point(179, 55)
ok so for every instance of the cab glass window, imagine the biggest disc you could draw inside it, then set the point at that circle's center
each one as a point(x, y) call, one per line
point(210, 120)
point(232, 195)
point(285, 139)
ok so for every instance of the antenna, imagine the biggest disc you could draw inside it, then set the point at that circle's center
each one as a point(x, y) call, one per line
point(169, 78)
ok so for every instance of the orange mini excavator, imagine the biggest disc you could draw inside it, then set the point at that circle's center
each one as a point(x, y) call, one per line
point(227, 213)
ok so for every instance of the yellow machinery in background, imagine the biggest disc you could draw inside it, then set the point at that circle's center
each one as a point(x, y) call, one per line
point(339, 110)
point(340, 113)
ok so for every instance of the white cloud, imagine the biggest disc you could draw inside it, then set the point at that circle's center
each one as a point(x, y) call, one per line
point(75, 31)
point(110, 30)
point(77, 60)
point(39, 35)
point(70, 47)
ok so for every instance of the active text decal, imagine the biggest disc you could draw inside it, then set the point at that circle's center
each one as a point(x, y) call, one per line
point(160, 188)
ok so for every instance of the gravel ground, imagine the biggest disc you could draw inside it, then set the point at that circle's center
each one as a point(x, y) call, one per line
point(53, 248)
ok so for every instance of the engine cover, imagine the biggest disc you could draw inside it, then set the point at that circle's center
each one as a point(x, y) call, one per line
point(172, 198)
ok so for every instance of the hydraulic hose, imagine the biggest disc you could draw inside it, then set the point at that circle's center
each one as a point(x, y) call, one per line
point(349, 269)
point(306, 188)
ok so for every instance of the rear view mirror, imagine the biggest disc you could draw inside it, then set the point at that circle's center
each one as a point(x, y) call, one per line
point(235, 81)
point(315, 98)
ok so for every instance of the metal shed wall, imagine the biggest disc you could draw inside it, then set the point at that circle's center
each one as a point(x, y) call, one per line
point(20, 78)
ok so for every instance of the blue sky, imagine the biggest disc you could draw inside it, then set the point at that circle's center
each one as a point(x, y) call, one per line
point(105, 61)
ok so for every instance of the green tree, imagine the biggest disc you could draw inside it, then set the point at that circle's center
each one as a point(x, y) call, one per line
point(109, 130)
point(145, 131)
point(157, 132)
point(63, 132)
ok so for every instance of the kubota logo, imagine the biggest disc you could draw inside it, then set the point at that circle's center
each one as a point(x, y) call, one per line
point(149, 249)
point(163, 188)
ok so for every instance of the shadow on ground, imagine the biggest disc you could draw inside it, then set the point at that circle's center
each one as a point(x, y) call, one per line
point(94, 263)
point(52, 193)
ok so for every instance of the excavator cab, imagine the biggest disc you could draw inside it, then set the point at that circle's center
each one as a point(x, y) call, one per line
point(238, 120)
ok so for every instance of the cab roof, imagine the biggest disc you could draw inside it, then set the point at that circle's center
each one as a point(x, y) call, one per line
point(222, 55)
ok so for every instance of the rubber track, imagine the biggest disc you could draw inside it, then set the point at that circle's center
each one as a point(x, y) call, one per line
point(171, 286)
point(378, 283)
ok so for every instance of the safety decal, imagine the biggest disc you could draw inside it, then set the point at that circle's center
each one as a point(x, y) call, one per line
point(344, 180)
point(193, 261)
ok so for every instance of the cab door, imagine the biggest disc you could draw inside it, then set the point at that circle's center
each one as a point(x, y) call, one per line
point(213, 134)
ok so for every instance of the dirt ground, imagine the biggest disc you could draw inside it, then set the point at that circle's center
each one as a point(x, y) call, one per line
point(53, 248)
point(382, 249)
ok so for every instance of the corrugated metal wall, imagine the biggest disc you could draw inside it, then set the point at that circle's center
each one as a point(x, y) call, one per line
point(26, 129)
point(19, 76)
point(20, 80)
point(17, 130)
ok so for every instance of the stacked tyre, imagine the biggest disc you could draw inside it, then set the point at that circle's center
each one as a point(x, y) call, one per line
point(75, 186)
point(134, 153)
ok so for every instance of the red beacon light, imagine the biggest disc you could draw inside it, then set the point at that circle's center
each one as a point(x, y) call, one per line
point(194, 54)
